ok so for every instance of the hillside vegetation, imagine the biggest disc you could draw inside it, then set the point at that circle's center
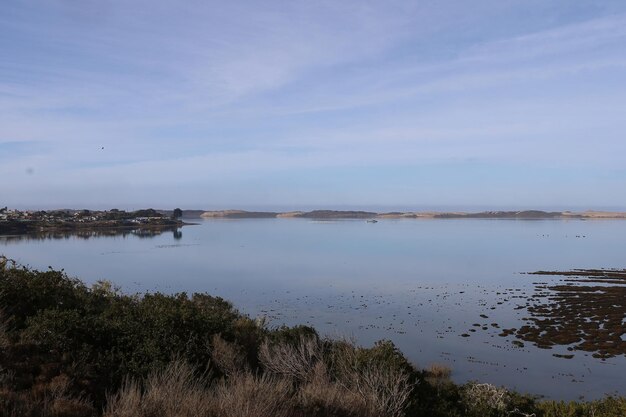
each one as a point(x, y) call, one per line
point(70, 350)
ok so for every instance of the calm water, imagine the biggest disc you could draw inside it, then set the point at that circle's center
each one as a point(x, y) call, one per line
point(420, 283)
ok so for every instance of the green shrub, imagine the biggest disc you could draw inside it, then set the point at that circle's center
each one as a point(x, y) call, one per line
point(102, 336)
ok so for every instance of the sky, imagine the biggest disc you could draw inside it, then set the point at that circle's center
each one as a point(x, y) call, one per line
point(307, 104)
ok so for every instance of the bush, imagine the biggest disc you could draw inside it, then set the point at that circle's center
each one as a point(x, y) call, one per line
point(98, 335)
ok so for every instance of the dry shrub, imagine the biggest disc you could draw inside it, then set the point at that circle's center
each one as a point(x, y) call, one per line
point(384, 389)
point(292, 361)
point(5, 340)
point(6, 263)
point(51, 391)
point(438, 374)
point(439, 371)
point(228, 357)
point(354, 387)
point(172, 392)
point(19, 405)
point(7, 377)
point(70, 407)
point(482, 399)
point(45, 399)
point(177, 392)
point(323, 396)
point(248, 395)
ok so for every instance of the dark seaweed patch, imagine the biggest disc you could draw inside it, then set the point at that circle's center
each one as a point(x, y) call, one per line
point(587, 311)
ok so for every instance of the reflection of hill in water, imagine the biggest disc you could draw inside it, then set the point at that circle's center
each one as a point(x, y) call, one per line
point(586, 311)
point(88, 234)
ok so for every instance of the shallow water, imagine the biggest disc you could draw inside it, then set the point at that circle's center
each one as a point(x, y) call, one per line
point(421, 283)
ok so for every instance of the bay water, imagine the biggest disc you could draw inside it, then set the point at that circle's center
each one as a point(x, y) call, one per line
point(441, 290)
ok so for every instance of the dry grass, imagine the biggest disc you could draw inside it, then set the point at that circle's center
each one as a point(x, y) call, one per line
point(228, 357)
point(49, 399)
point(248, 395)
point(172, 392)
point(177, 392)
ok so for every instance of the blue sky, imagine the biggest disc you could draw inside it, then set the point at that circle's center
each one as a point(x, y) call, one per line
point(297, 104)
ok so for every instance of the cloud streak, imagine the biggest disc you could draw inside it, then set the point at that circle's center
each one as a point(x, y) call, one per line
point(229, 97)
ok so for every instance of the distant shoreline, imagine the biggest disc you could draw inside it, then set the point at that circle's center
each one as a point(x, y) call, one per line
point(355, 214)
point(15, 222)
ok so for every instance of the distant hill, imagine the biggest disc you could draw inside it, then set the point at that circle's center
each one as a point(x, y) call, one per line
point(334, 214)
point(527, 214)
point(187, 214)
point(238, 214)
point(356, 214)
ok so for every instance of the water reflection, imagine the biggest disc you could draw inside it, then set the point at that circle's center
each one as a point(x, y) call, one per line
point(89, 234)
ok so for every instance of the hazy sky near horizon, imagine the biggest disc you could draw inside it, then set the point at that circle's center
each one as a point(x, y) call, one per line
point(217, 104)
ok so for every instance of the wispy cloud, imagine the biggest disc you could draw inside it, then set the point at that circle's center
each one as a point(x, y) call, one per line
point(97, 94)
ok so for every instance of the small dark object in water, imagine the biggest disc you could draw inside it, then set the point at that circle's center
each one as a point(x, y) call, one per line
point(558, 355)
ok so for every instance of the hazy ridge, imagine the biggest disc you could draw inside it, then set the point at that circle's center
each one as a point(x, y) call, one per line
point(357, 214)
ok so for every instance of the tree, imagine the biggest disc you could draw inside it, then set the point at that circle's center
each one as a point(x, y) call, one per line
point(178, 213)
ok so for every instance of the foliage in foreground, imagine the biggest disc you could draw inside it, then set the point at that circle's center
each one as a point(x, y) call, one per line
point(70, 350)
